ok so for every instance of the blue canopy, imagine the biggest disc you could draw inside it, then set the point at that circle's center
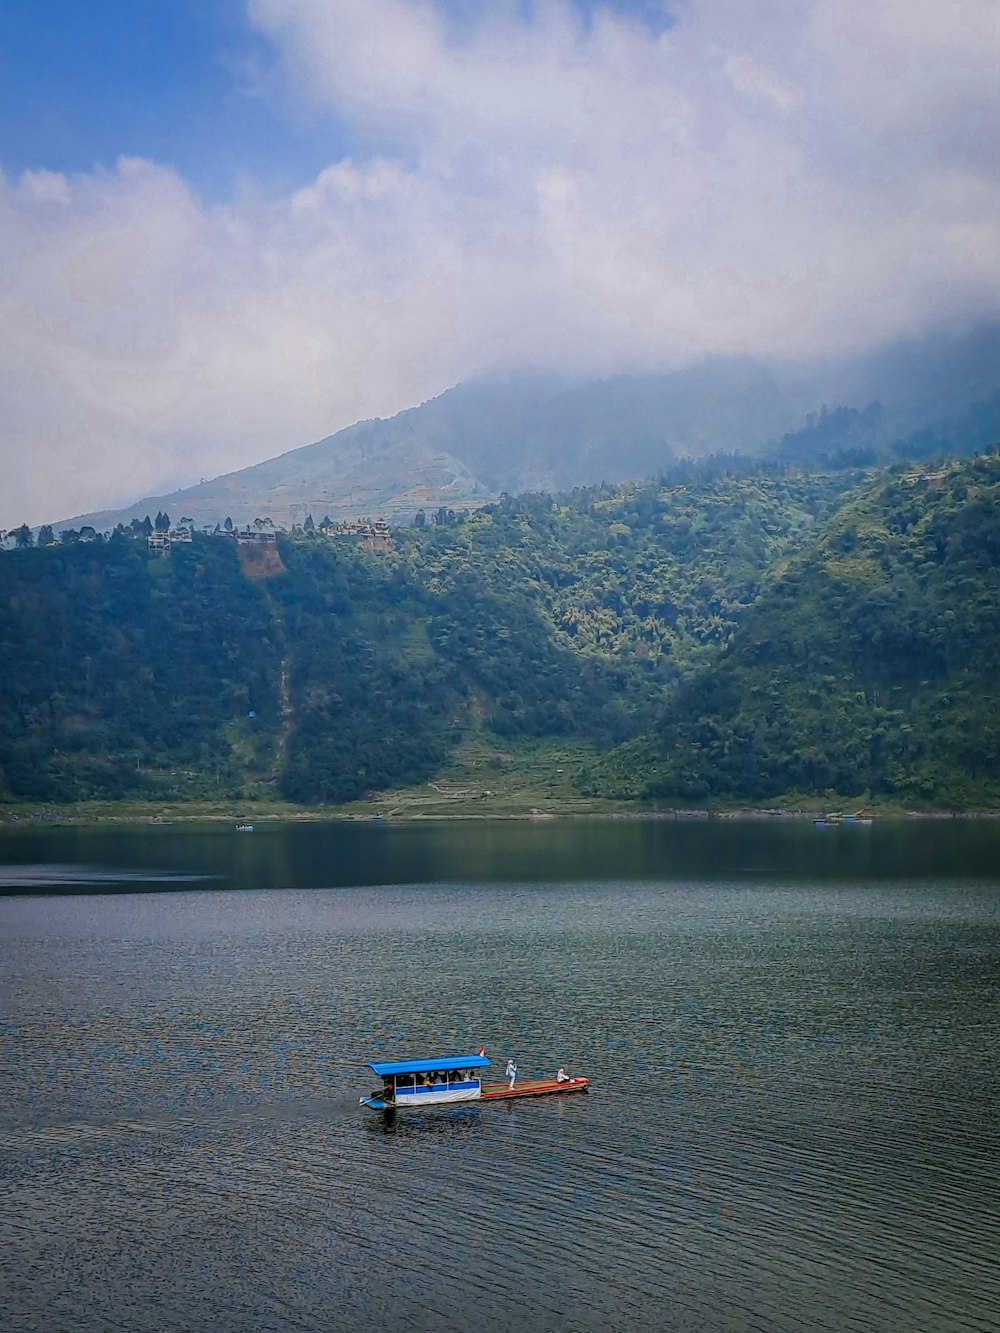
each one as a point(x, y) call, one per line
point(386, 1068)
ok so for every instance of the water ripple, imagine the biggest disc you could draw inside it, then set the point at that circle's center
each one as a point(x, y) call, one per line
point(792, 1120)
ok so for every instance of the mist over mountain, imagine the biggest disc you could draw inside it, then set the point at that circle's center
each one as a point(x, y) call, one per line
point(541, 431)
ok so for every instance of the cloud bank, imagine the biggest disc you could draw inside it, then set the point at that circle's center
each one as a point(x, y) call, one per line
point(789, 179)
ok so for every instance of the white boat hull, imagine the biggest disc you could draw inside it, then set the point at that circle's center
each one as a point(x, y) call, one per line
point(417, 1098)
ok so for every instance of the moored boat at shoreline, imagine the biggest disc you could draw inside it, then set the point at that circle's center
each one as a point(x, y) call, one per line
point(835, 820)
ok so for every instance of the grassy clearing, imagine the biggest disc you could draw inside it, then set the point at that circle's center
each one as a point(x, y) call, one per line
point(486, 778)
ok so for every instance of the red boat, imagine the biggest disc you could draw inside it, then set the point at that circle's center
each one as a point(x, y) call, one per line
point(537, 1087)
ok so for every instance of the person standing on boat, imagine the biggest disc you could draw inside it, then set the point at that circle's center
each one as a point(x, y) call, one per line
point(511, 1071)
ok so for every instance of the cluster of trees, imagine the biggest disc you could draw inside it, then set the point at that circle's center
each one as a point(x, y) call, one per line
point(733, 631)
point(374, 706)
point(442, 517)
point(23, 537)
point(868, 665)
point(124, 674)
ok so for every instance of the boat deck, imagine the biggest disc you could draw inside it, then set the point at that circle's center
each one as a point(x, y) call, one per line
point(539, 1087)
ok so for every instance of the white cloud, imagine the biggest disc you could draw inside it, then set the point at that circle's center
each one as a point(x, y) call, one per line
point(783, 179)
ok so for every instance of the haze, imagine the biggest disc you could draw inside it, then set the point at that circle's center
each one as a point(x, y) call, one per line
point(316, 211)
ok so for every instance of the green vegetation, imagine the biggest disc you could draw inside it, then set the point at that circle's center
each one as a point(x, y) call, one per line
point(125, 674)
point(866, 668)
point(737, 632)
point(371, 701)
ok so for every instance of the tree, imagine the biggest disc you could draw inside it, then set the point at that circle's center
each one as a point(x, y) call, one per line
point(228, 525)
point(23, 537)
point(46, 537)
point(420, 521)
point(309, 525)
point(162, 523)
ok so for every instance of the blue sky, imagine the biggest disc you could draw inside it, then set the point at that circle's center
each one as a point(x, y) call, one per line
point(189, 83)
point(178, 81)
point(230, 227)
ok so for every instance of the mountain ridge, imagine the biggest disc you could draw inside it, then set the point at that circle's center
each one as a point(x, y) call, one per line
point(537, 431)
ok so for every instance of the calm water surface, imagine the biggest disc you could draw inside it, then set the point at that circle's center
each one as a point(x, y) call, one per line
point(793, 1037)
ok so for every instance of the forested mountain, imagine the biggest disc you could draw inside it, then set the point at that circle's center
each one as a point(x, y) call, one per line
point(538, 431)
point(868, 665)
point(734, 631)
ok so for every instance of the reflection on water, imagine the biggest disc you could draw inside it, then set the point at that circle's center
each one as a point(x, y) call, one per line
point(794, 1059)
point(327, 855)
point(39, 878)
point(444, 1125)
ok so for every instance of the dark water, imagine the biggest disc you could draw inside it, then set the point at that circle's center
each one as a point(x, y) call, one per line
point(793, 1036)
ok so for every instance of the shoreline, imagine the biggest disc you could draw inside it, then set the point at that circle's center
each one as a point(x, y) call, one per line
point(100, 814)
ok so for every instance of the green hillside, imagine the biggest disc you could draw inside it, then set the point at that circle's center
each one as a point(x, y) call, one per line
point(867, 667)
point(736, 631)
point(124, 673)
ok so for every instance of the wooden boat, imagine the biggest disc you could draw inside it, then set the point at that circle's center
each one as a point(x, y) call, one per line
point(447, 1080)
point(539, 1087)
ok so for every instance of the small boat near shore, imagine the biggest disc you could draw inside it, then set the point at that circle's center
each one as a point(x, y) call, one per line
point(448, 1080)
point(835, 821)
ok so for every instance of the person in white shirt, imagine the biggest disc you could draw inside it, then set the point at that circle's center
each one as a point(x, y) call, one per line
point(511, 1071)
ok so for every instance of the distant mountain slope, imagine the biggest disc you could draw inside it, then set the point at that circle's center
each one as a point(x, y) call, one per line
point(373, 467)
point(534, 431)
point(919, 399)
point(465, 447)
point(923, 381)
point(541, 433)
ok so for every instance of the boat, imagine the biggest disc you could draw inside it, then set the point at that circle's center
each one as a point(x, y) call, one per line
point(835, 821)
point(447, 1080)
point(414, 1084)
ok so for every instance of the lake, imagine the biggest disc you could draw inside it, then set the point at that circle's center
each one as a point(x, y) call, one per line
point(793, 1037)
